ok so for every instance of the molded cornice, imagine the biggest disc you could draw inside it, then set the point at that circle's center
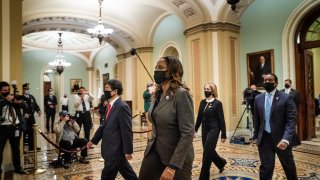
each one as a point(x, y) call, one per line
point(218, 26)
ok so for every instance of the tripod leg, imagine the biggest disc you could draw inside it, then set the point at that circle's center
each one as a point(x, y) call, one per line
point(231, 139)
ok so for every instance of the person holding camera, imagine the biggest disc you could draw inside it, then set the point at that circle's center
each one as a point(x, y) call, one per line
point(82, 102)
point(211, 116)
point(66, 130)
point(11, 125)
point(32, 107)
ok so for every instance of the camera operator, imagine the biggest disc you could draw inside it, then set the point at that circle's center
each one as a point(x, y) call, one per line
point(66, 130)
point(249, 94)
point(32, 107)
point(11, 125)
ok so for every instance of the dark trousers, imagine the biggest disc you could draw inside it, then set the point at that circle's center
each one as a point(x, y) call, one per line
point(8, 132)
point(85, 119)
point(29, 131)
point(152, 168)
point(77, 143)
point(209, 143)
point(50, 115)
point(267, 150)
point(65, 108)
point(112, 167)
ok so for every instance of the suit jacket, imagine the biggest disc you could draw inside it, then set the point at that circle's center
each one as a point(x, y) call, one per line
point(53, 100)
point(258, 79)
point(211, 116)
point(115, 132)
point(31, 103)
point(282, 118)
point(295, 95)
point(172, 128)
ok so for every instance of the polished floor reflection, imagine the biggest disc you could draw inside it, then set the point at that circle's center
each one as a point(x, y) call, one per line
point(243, 162)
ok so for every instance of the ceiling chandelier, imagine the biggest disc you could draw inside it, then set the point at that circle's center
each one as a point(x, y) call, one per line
point(99, 31)
point(59, 62)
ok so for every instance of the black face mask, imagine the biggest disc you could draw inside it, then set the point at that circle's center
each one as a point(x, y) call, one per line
point(287, 86)
point(107, 94)
point(65, 96)
point(5, 94)
point(79, 94)
point(207, 94)
point(160, 76)
point(268, 86)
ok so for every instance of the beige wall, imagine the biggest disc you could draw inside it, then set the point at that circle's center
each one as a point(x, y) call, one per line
point(11, 54)
point(316, 70)
point(213, 55)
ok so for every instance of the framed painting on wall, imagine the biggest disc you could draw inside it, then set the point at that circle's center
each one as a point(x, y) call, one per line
point(105, 78)
point(75, 84)
point(259, 64)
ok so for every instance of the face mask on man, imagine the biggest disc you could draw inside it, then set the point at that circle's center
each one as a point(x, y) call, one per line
point(207, 94)
point(51, 93)
point(268, 87)
point(26, 92)
point(160, 76)
point(287, 86)
point(65, 96)
point(107, 94)
point(5, 94)
point(79, 94)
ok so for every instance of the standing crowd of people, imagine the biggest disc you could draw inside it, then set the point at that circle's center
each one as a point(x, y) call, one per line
point(169, 152)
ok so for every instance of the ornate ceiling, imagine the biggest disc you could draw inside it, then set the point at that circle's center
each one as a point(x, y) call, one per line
point(133, 21)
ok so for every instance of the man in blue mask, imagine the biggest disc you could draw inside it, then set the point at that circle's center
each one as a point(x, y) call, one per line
point(274, 129)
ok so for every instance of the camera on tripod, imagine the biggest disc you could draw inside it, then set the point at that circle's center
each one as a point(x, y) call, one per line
point(248, 95)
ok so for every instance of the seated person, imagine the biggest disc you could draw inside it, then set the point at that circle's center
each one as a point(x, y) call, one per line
point(66, 130)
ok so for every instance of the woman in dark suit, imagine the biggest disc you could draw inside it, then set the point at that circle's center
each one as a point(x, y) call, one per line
point(211, 116)
point(169, 153)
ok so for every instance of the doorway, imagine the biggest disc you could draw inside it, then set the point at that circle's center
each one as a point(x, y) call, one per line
point(307, 62)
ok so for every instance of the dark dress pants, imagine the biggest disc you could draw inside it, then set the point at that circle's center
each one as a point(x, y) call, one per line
point(209, 142)
point(50, 116)
point(65, 108)
point(77, 143)
point(112, 167)
point(267, 150)
point(29, 131)
point(152, 168)
point(85, 120)
point(8, 132)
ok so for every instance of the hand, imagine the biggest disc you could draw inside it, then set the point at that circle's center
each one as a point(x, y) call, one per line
point(49, 102)
point(105, 103)
point(128, 156)
point(168, 174)
point(39, 113)
point(89, 144)
point(223, 140)
point(282, 145)
point(26, 116)
point(10, 97)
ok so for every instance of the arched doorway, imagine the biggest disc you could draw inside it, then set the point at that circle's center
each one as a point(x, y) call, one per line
point(307, 52)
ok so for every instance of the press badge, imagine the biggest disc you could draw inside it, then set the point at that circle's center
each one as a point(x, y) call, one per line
point(78, 115)
point(16, 133)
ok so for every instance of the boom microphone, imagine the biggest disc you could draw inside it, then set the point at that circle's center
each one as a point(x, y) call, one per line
point(133, 51)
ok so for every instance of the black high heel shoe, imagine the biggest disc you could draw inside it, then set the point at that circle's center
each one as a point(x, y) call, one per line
point(222, 169)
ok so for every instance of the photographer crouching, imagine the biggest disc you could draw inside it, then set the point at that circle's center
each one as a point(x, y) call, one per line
point(11, 125)
point(66, 130)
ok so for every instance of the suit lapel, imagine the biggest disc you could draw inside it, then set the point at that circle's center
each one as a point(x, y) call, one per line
point(275, 101)
point(113, 108)
point(164, 100)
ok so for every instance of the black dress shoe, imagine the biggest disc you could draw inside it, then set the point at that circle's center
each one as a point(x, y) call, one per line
point(222, 169)
point(20, 172)
point(84, 160)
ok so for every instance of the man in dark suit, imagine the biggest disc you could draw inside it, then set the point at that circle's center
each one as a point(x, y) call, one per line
point(260, 71)
point(274, 129)
point(50, 102)
point(116, 134)
point(292, 92)
point(28, 112)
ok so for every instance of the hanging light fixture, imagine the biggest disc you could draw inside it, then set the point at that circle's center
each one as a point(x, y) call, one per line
point(99, 31)
point(59, 61)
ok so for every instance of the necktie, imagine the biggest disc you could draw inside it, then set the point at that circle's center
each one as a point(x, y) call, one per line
point(108, 111)
point(83, 105)
point(267, 110)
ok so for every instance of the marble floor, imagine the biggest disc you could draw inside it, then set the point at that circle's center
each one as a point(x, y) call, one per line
point(242, 161)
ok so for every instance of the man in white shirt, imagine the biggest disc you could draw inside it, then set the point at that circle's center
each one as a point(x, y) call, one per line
point(64, 103)
point(82, 102)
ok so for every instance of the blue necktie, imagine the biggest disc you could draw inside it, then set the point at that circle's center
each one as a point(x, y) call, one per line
point(267, 110)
